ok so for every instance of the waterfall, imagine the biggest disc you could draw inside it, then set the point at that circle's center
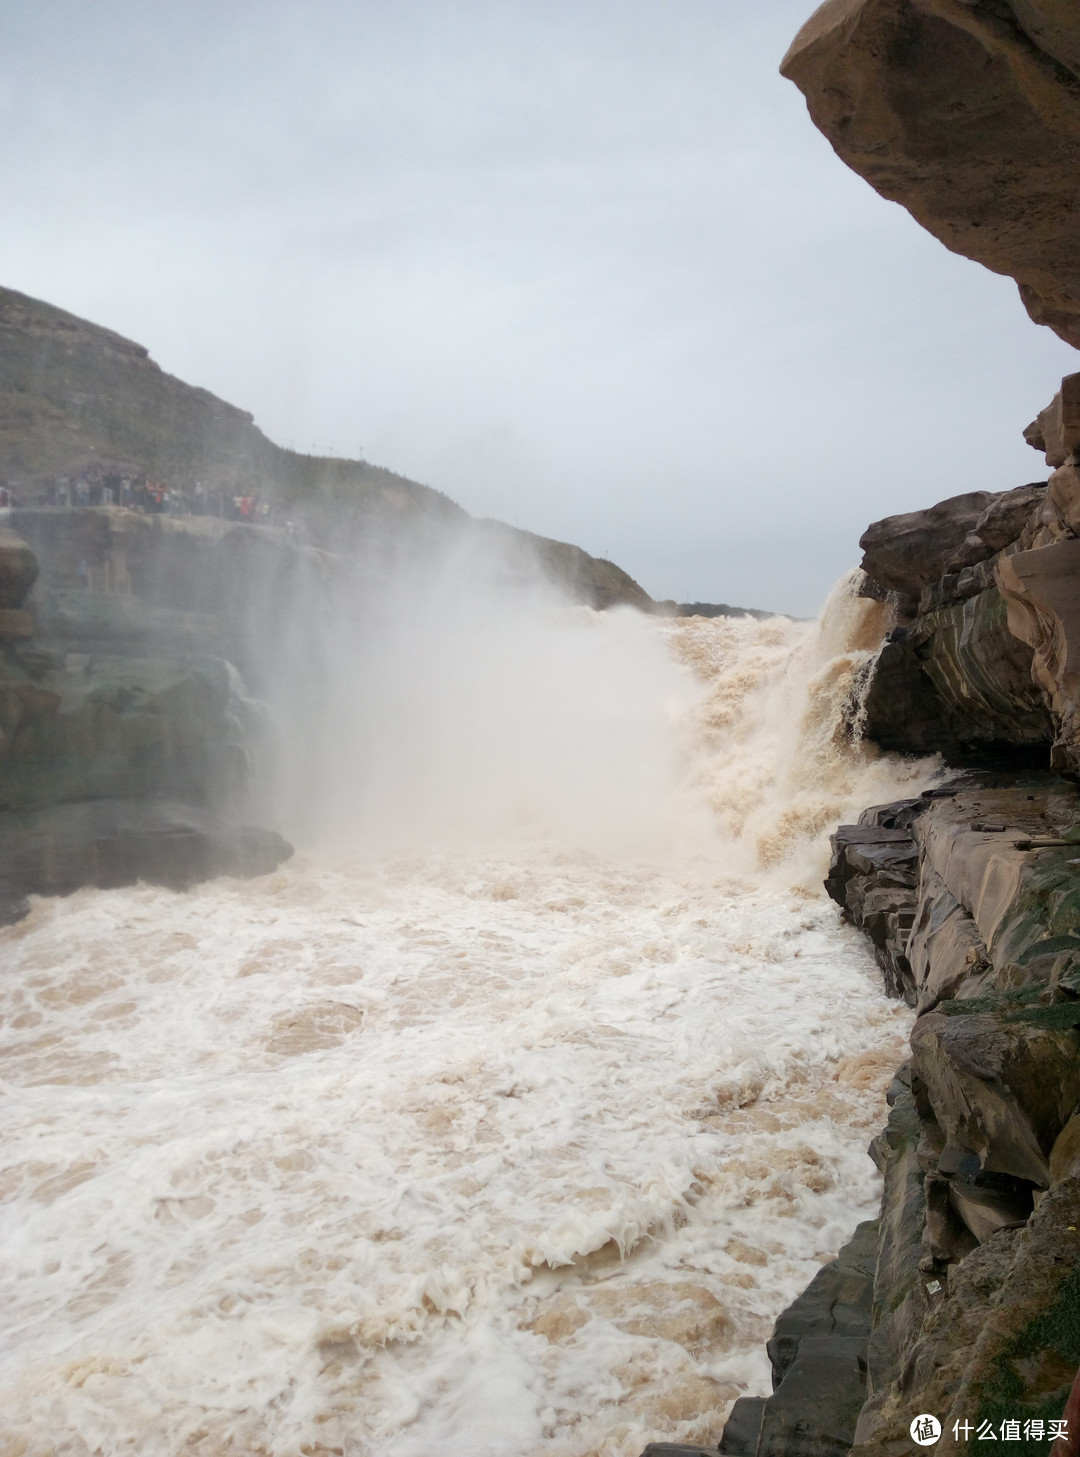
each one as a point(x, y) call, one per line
point(505, 1117)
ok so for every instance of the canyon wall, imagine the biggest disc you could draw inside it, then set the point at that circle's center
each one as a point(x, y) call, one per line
point(82, 406)
point(961, 1301)
point(165, 570)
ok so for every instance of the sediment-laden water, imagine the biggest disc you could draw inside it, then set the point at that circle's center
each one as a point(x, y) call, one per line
point(505, 1137)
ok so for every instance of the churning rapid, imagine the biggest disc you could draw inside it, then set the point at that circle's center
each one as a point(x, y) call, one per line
point(507, 1115)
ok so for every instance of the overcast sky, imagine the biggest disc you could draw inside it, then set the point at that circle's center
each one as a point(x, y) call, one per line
point(585, 265)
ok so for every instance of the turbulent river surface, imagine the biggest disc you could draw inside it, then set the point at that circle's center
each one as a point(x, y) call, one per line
point(507, 1140)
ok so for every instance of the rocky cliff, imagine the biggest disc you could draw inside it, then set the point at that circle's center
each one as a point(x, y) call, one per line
point(968, 113)
point(157, 553)
point(81, 403)
point(961, 1302)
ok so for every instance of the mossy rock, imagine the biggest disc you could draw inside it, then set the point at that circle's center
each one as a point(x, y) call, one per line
point(1003, 1077)
point(1027, 1355)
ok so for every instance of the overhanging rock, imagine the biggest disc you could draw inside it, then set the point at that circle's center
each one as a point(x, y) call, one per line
point(968, 114)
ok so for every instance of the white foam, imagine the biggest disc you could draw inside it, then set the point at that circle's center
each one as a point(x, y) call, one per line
point(502, 1146)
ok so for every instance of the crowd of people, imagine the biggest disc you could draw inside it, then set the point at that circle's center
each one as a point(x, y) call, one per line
point(140, 493)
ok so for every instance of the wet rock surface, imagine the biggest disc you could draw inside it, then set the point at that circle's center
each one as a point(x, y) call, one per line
point(818, 1355)
point(93, 726)
point(973, 1277)
point(126, 739)
point(874, 876)
point(742, 1429)
point(836, 1303)
point(114, 842)
point(677, 1449)
point(966, 672)
point(1002, 1075)
point(1041, 587)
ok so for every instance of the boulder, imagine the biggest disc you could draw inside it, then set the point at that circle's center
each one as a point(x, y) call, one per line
point(898, 814)
point(837, 1302)
point(906, 553)
point(1003, 1078)
point(814, 1411)
point(743, 1427)
point(115, 842)
point(968, 114)
point(18, 569)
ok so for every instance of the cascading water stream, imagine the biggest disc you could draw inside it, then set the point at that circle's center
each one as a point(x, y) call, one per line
point(505, 1117)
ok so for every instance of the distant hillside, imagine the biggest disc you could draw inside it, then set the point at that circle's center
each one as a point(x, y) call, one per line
point(74, 396)
point(713, 609)
point(77, 399)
